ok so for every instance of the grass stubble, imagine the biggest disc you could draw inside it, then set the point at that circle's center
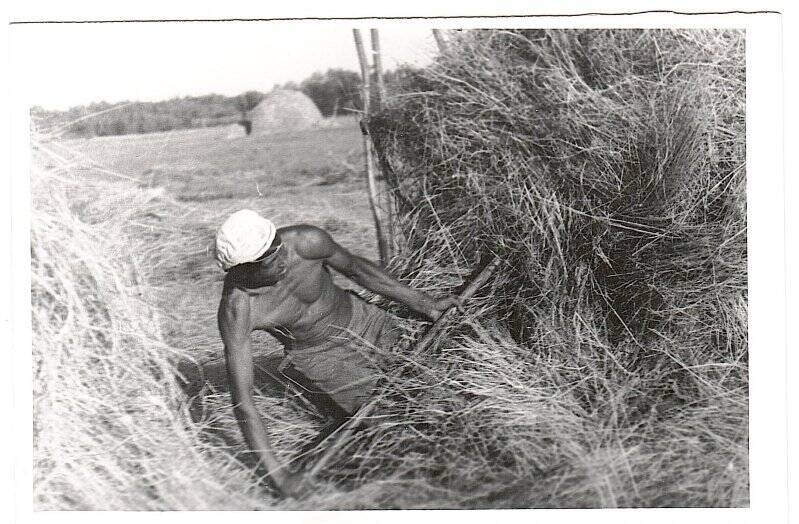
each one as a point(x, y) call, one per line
point(604, 366)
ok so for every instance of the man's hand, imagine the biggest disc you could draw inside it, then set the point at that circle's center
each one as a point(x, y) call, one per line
point(442, 304)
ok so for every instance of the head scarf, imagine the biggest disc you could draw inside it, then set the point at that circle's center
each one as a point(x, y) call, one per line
point(243, 238)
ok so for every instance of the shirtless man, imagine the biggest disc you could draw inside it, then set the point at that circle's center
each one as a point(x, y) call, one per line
point(278, 281)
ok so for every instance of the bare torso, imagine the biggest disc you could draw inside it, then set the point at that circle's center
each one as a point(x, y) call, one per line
point(303, 305)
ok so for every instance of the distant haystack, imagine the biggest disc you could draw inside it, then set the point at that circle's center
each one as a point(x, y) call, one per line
point(284, 110)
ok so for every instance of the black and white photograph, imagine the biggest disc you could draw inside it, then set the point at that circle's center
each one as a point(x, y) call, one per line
point(392, 264)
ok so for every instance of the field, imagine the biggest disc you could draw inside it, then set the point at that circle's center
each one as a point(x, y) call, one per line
point(606, 364)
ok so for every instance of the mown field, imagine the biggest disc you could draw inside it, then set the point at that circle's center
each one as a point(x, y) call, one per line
point(604, 365)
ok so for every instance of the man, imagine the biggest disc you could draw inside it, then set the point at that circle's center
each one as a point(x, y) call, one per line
point(278, 281)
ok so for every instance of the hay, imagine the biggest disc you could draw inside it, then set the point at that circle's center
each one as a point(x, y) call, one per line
point(607, 168)
point(284, 110)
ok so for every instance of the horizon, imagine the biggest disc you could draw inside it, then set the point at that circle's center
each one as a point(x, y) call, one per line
point(192, 96)
point(159, 61)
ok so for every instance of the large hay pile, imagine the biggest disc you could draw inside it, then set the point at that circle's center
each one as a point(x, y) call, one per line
point(607, 169)
point(284, 110)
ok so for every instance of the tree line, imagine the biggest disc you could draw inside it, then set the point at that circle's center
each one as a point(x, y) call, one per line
point(335, 92)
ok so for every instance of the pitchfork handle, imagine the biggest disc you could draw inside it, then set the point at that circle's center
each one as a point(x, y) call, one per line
point(438, 326)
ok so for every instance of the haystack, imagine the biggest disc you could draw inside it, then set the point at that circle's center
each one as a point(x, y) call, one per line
point(607, 169)
point(284, 110)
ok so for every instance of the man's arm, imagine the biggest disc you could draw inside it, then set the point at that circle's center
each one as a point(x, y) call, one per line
point(235, 328)
point(316, 243)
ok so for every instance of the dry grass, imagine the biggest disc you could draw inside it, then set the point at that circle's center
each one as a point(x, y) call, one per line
point(110, 428)
point(607, 168)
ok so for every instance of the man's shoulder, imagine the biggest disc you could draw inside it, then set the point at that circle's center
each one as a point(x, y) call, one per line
point(301, 232)
point(308, 241)
point(234, 302)
point(233, 317)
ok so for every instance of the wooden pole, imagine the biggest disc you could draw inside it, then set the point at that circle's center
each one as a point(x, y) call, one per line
point(377, 60)
point(382, 245)
point(365, 88)
point(442, 44)
point(380, 100)
point(341, 435)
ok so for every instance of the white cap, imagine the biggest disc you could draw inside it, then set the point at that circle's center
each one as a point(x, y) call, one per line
point(243, 238)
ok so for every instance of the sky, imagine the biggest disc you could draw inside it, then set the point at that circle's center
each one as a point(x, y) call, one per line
point(68, 65)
